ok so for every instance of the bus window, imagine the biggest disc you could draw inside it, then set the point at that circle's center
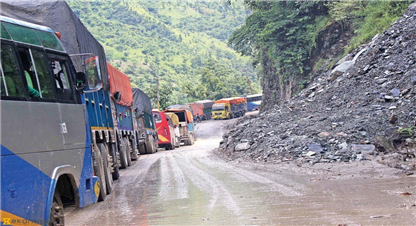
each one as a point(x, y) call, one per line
point(37, 73)
point(11, 81)
point(60, 70)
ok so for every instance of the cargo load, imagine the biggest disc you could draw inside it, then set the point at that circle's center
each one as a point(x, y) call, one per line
point(197, 109)
point(119, 82)
point(181, 107)
point(232, 100)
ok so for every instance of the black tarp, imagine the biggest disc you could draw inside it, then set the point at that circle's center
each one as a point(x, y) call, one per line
point(141, 101)
point(207, 103)
point(59, 17)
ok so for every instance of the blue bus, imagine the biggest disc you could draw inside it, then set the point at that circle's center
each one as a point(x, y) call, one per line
point(48, 156)
point(254, 101)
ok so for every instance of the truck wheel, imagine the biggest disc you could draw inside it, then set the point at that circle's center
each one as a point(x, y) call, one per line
point(128, 150)
point(188, 141)
point(142, 149)
point(107, 167)
point(192, 140)
point(135, 154)
point(99, 172)
point(116, 161)
point(178, 142)
point(172, 143)
point(123, 154)
point(56, 216)
point(150, 147)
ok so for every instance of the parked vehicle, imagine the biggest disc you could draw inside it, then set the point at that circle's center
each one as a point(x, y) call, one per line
point(76, 40)
point(253, 101)
point(207, 108)
point(165, 130)
point(186, 125)
point(107, 141)
point(145, 125)
point(229, 108)
point(48, 153)
point(121, 108)
point(176, 132)
point(197, 110)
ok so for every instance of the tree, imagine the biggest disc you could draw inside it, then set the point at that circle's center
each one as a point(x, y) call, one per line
point(165, 92)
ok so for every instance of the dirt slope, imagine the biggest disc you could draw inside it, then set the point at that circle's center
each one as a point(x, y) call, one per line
point(367, 112)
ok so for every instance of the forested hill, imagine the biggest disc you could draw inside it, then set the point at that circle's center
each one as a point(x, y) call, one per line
point(182, 42)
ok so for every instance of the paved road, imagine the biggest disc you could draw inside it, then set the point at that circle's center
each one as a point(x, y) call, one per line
point(191, 186)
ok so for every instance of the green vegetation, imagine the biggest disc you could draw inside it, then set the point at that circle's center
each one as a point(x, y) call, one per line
point(408, 131)
point(368, 18)
point(280, 36)
point(173, 40)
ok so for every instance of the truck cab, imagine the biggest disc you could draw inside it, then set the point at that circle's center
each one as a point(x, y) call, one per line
point(221, 111)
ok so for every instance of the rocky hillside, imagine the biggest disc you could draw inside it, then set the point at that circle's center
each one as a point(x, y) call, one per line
point(364, 109)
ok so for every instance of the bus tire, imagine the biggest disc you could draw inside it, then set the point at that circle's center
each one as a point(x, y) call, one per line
point(56, 215)
point(123, 154)
point(99, 172)
point(107, 167)
point(128, 150)
point(116, 161)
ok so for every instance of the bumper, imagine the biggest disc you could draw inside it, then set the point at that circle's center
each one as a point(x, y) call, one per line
point(219, 116)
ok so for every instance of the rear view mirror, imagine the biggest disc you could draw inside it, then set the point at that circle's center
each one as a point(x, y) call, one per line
point(81, 83)
point(117, 96)
point(89, 65)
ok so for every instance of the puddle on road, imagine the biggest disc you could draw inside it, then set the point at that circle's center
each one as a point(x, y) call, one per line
point(242, 202)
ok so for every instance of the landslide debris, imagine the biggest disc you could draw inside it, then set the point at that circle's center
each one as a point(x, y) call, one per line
point(364, 109)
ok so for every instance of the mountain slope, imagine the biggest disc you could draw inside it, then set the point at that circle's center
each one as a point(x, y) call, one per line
point(365, 113)
point(173, 40)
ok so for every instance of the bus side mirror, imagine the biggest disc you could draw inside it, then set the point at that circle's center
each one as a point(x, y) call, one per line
point(81, 81)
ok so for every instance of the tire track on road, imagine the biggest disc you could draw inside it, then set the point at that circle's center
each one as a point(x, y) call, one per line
point(172, 179)
point(203, 180)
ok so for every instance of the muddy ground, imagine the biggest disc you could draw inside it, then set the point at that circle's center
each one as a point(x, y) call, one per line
point(193, 185)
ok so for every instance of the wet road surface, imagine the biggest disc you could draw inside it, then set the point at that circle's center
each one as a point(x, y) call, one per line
point(192, 186)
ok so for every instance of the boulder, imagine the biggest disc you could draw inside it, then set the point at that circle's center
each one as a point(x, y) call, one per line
point(242, 147)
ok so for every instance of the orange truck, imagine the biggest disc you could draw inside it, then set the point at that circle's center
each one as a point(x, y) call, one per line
point(229, 108)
